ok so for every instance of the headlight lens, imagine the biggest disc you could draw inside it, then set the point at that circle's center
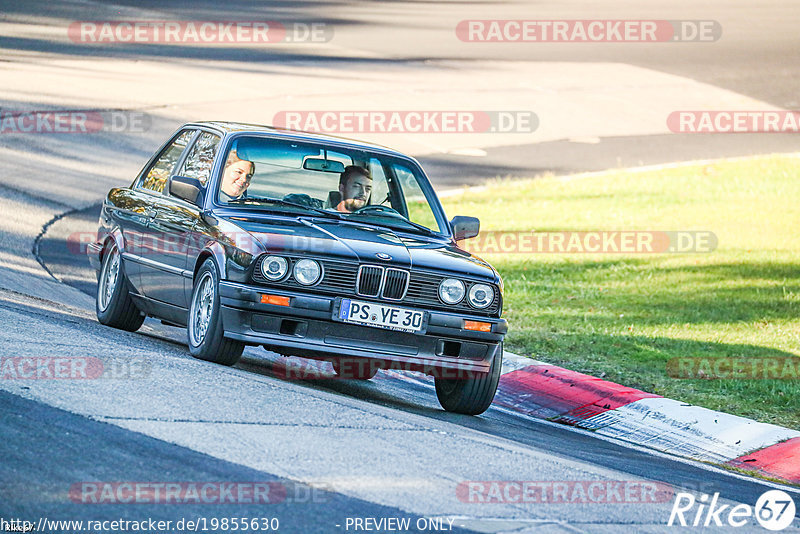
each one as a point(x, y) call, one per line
point(274, 268)
point(451, 291)
point(481, 295)
point(307, 272)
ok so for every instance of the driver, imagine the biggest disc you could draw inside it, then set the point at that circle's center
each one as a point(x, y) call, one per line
point(355, 186)
point(236, 177)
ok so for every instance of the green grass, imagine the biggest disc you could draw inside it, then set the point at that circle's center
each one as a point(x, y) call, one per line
point(623, 317)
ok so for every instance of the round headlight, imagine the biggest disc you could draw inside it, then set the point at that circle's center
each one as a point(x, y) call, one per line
point(481, 295)
point(274, 268)
point(307, 272)
point(451, 291)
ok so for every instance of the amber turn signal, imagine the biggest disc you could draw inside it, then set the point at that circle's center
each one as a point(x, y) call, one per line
point(275, 299)
point(477, 326)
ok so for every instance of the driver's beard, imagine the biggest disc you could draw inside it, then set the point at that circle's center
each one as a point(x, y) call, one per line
point(353, 204)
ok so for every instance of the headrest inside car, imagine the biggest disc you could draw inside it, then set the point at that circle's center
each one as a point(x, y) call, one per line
point(334, 197)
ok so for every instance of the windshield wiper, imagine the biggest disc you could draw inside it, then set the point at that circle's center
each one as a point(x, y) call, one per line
point(398, 217)
point(423, 229)
point(281, 202)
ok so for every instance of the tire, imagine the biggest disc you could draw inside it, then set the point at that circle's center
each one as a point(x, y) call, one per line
point(473, 395)
point(355, 368)
point(113, 303)
point(206, 336)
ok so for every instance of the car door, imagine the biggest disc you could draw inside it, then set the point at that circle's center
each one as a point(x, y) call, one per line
point(146, 242)
point(134, 207)
point(170, 231)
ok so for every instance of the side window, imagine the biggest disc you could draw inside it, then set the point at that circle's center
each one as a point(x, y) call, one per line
point(201, 158)
point(379, 187)
point(157, 176)
point(419, 210)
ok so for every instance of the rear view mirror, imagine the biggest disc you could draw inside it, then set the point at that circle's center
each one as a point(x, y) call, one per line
point(188, 189)
point(465, 227)
point(326, 165)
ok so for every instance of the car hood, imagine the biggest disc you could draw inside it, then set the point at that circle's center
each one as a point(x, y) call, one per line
point(353, 242)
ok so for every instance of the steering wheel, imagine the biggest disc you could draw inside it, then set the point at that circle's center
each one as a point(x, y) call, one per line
point(379, 209)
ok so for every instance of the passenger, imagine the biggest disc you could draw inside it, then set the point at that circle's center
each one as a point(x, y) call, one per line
point(236, 177)
point(355, 186)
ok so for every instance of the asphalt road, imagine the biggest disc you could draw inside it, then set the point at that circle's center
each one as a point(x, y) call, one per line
point(63, 450)
point(377, 449)
point(757, 54)
point(755, 64)
point(365, 450)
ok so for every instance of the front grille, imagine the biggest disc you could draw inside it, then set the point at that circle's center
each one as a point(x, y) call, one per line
point(375, 281)
point(341, 279)
point(396, 283)
point(369, 280)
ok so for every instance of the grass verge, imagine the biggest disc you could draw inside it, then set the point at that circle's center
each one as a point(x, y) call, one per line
point(624, 316)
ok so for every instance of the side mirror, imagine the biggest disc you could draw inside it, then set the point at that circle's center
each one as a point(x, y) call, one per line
point(465, 227)
point(188, 189)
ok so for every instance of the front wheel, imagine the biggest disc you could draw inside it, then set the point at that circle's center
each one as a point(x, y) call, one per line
point(114, 306)
point(206, 339)
point(472, 395)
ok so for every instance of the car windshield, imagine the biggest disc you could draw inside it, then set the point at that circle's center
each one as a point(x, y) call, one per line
point(276, 174)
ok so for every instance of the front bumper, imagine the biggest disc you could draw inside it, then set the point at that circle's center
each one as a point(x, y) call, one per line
point(306, 328)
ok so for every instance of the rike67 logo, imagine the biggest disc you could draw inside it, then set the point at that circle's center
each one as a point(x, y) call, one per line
point(774, 510)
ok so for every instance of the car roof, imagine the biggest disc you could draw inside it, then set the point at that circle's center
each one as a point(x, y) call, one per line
point(239, 127)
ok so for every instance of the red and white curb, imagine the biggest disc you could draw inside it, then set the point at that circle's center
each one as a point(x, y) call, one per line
point(536, 389)
point(608, 409)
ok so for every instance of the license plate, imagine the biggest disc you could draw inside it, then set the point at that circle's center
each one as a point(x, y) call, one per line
point(381, 316)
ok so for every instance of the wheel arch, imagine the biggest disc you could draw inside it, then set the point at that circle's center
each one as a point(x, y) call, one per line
point(214, 252)
point(115, 237)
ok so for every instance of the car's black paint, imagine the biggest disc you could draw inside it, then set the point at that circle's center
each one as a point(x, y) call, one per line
point(164, 239)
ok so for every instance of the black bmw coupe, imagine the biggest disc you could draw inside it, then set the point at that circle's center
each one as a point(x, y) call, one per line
point(307, 245)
